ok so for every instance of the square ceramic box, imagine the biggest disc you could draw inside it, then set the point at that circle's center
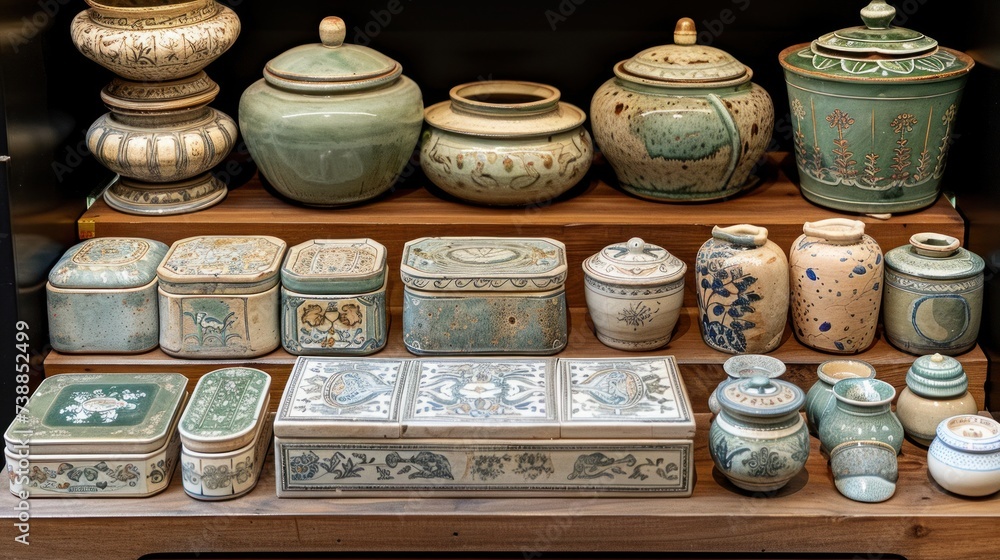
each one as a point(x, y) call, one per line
point(102, 297)
point(219, 297)
point(484, 295)
point(483, 427)
point(333, 298)
point(97, 435)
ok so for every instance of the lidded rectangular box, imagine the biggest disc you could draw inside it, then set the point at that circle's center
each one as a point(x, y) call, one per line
point(484, 295)
point(97, 435)
point(219, 296)
point(101, 296)
point(333, 298)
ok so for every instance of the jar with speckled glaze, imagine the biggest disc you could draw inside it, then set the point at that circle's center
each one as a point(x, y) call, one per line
point(836, 286)
point(862, 411)
point(682, 122)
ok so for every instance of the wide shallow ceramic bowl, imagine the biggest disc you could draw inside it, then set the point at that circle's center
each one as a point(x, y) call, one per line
point(865, 471)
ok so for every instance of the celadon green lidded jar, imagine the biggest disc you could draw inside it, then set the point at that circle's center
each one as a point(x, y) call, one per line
point(332, 124)
point(873, 110)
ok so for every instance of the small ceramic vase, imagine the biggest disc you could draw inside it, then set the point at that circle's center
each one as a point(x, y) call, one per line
point(505, 143)
point(634, 293)
point(742, 284)
point(820, 395)
point(747, 365)
point(682, 122)
point(965, 456)
point(873, 112)
point(933, 295)
point(331, 124)
point(865, 471)
point(154, 40)
point(936, 388)
point(836, 286)
point(759, 440)
point(862, 411)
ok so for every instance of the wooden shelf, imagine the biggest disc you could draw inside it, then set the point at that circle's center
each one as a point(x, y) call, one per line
point(921, 522)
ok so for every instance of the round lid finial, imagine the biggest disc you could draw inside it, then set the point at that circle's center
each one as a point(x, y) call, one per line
point(332, 31)
point(937, 358)
point(636, 246)
point(878, 15)
point(685, 33)
point(758, 384)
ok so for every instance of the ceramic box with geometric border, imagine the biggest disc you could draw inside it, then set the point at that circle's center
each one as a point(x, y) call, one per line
point(219, 297)
point(484, 295)
point(101, 297)
point(355, 427)
point(333, 298)
point(225, 433)
point(97, 435)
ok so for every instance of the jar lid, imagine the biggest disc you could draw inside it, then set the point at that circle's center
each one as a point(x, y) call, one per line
point(970, 432)
point(684, 64)
point(334, 266)
point(635, 263)
point(331, 66)
point(225, 410)
point(753, 365)
point(877, 35)
point(129, 97)
point(221, 264)
point(937, 376)
point(935, 256)
point(108, 263)
point(760, 396)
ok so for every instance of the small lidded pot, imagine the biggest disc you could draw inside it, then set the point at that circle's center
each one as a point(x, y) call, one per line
point(862, 410)
point(933, 295)
point(759, 440)
point(333, 298)
point(873, 113)
point(101, 297)
point(965, 456)
point(505, 143)
point(219, 297)
point(332, 124)
point(746, 365)
point(936, 388)
point(634, 292)
point(682, 122)
point(820, 395)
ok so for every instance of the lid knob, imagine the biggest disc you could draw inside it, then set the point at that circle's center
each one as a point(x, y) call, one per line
point(332, 31)
point(934, 245)
point(878, 15)
point(685, 33)
point(937, 358)
point(636, 246)
point(758, 384)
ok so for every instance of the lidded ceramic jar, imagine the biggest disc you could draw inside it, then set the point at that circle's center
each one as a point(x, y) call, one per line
point(742, 283)
point(333, 298)
point(965, 456)
point(873, 112)
point(759, 440)
point(101, 296)
point(634, 292)
point(936, 388)
point(746, 365)
point(933, 295)
point(330, 123)
point(862, 410)
point(820, 396)
point(682, 122)
point(219, 297)
point(505, 143)
point(836, 286)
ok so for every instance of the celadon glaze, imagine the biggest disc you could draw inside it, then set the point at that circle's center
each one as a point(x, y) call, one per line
point(862, 410)
point(965, 456)
point(743, 366)
point(225, 410)
point(331, 124)
point(865, 471)
point(820, 396)
point(682, 122)
point(936, 388)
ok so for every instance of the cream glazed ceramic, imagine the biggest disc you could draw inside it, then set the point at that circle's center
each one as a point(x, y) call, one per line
point(936, 388)
point(965, 455)
point(836, 286)
point(505, 143)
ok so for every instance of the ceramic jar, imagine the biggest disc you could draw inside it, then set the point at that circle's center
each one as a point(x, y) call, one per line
point(965, 456)
point(154, 40)
point(759, 440)
point(936, 388)
point(682, 122)
point(820, 396)
point(873, 112)
point(505, 143)
point(933, 295)
point(836, 286)
point(747, 365)
point(634, 292)
point(333, 298)
point(331, 124)
point(101, 297)
point(741, 280)
point(862, 410)
point(219, 297)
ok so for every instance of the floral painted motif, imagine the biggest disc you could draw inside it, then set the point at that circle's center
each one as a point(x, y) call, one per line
point(635, 315)
point(936, 63)
point(843, 162)
point(725, 296)
point(765, 463)
point(533, 465)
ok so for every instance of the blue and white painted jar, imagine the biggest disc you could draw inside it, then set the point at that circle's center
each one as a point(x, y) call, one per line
point(965, 456)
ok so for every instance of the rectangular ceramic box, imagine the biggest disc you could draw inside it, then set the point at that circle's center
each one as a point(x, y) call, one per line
point(101, 297)
point(484, 295)
point(223, 476)
point(484, 427)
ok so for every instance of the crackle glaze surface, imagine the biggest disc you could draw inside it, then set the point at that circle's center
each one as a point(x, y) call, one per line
point(865, 471)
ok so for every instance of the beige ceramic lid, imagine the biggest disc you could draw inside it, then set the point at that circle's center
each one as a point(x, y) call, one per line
point(685, 64)
point(334, 266)
point(222, 264)
point(635, 263)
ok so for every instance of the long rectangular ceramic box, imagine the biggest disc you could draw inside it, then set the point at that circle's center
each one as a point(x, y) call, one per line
point(484, 427)
point(219, 297)
point(484, 295)
point(97, 435)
